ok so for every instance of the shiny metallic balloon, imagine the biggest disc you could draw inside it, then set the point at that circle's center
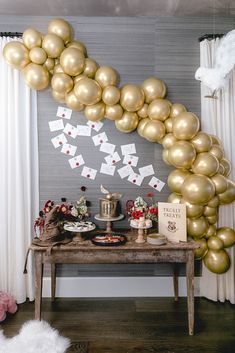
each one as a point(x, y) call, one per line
point(72, 61)
point(32, 38)
point(72, 101)
point(211, 231)
point(128, 122)
point(154, 131)
point(58, 97)
point(88, 91)
point(193, 211)
point(174, 198)
point(198, 189)
point(212, 219)
point(61, 28)
point(78, 78)
point(111, 95)
point(169, 140)
point(62, 83)
point(217, 151)
point(182, 154)
point(206, 164)
point(227, 235)
point(201, 252)
point(95, 112)
point(229, 195)
point(214, 202)
point(132, 97)
point(176, 109)
point(16, 55)
point(53, 45)
point(49, 64)
point(215, 140)
point(159, 109)
point(197, 227)
point(37, 55)
point(215, 243)
point(169, 124)
point(202, 142)
point(210, 211)
point(165, 156)
point(79, 45)
point(113, 112)
point(106, 76)
point(143, 112)
point(36, 76)
point(90, 67)
point(141, 126)
point(57, 69)
point(176, 179)
point(153, 88)
point(217, 261)
point(227, 166)
point(185, 126)
point(220, 182)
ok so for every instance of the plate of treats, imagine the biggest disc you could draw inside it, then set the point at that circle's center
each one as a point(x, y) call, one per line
point(81, 226)
point(109, 239)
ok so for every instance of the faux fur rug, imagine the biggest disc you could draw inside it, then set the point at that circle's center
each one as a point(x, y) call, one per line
point(34, 337)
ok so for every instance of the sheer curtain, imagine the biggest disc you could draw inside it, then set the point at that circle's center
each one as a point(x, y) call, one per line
point(218, 118)
point(18, 179)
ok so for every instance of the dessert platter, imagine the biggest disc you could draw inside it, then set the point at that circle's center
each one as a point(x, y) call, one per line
point(81, 226)
point(109, 239)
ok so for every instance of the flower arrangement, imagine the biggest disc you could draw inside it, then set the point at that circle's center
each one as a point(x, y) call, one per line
point(140, 208)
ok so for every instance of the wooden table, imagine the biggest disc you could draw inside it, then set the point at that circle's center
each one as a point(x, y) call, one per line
point(85, 252)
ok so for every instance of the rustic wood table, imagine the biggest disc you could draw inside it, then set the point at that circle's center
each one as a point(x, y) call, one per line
point(85, 252)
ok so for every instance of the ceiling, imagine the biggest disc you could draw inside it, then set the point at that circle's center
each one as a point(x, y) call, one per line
point(118, 7)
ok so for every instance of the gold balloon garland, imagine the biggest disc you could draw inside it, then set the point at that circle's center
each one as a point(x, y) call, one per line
point(200, 178)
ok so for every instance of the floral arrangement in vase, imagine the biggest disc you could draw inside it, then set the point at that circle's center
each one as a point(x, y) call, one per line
point(142, 213)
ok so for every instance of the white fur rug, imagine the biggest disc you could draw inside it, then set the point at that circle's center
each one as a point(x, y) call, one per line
point(34, 337)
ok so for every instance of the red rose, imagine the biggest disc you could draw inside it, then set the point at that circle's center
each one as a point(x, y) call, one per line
point(137, 214)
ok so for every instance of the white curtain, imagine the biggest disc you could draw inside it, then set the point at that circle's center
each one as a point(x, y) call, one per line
point(218, 118)
point(18, 179)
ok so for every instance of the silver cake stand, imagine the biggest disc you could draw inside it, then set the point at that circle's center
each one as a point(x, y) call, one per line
point(108, 220)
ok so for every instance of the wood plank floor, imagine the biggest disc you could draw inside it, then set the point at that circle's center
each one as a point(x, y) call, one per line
point(138, 325)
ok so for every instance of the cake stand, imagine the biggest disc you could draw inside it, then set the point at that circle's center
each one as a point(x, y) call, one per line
point(78, 231)
point(108, 220)
point(140, 239)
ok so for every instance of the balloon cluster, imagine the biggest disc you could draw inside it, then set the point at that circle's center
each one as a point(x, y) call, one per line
point(200, 178)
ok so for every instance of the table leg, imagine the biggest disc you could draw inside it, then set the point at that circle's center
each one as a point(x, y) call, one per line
point(53, 281)
point(190, 289)
point(176, 282)
point(38, 283)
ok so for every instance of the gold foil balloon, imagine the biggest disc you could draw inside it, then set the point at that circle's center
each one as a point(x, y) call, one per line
point(32, 38)
point(106, 76)
point(198, 189)
point(220, 182)
point(221, 169)
point(212, 219)
point(227, 235)
point(215, 140)
point(111, 95)
point(113, 112)
point(16, 54)
point(141, 126)
point(214, 202)
point(154, 130)
point(95, 112)
point(168, 140)
point(132, 97)
point(229, 195)
point(165, 156)
point(202, 142)
point(217, 151)
point(58, 69)
point(36, 76)
point(206, 164)
point(61, 28)
point(90, 67)
point(176, 179)
point(201, 252)
point(185, 126)
point(59, 97)
point(78, 78)
point(72, 61)
point(217, 261)
point(176, 109)
point(53, 45)
point(72, 101)
point(182, 154)
point(128, 122)
point(169, 124)
point(62, 83)
point(49, 64)
point(197, 227)
point(215, 243)
point(153, 88)
point(193, 211)
point(159, 109)
point(210, 211)
point(211, 231)
point(79, 45)
point(174, 198)
point(37, 55)
point(88, 91)
point(227, 166)
point(143, 112)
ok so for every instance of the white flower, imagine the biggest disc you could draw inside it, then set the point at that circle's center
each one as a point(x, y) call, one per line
point(74, 212)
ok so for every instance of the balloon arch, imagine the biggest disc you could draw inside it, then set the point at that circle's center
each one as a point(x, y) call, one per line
point(200, 178)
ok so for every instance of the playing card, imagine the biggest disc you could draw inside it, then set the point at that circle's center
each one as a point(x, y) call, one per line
point(68, 149)
point(112, 159)
point(96, 125)
point(131, 160)
point(128, 149)
point(156, 183)
point(146, 171)
point(70, 130)
point(107, 148)
point(107, 169)
point(89, 173)
point(76, 162)
point(83, 130)
point(100, 138)
point(56, 125)
point(59, 140)
point(135, 179)
point(63, 112)
point(125, 171)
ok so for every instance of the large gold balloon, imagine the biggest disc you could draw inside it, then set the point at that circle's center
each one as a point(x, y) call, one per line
point(61, 28)
point(227, 166)
point(113, 112)
point(159, 109)
point(215, 243)
point(211, 231)
point(197, 227)
point(217, 261)
point(49, 64)
point(154, 130)
point(220, 182)
point(210, 211)
point(95, 112)
point(90, 67)
point(72, 61)
point(214, 202)
point(143, 112)
point(153, 88)
point(206, 164)
point(202, 142)
point(169, 124)
point(176, 109)
point(165, 156)
point(141, 126)
point(198, 189)
point(88, 91)
point(176, 179)
point(217, 151)
point(106, 76)
point(193, 211)
point(37, 55)
point(182, 154)
point(128, 122)
point(132, 97)
point(73, 102)
point(111, 95)
point(36, 76)
point(229, 195)
point(201, 252)
point(62, 83)
point(174, 198)
point(79, 45)
point(59, 97)
point(32, 38)
point(227, 235)
point(16, 54)
point(53, 45)
point(185, 126)
point(169, 140)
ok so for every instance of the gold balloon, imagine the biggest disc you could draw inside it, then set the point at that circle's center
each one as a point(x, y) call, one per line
point(201, 252)
point(154, 130)
point(79, 45)
point(174, 198)
point(49, 64)
point(32, 38)
point(198, 189)
point(229, 195)
point(159, 109)
point(217, 261)
point(72, 101)
point(197, 227)
point(214, 202)
point(220, 182)
point(169, 140)
point(72, 61)
point(61, 28)
point(221, 169)
point(36, 76)
point(78, 78)
point(53, 45)
point(215, 243)
point(211, 231)
point(176, 109)
point(193, 211)
point(182, 154)
point(215, 140)
point(210, 211)
point(106, 76)
point(169, 124)
point(212, 219)
point(217, 151)
point(37, 55)
point(62, 83)
point(132, 97)
point(113, 112)
point(153, 88)
point(143, 112)
point(88, 91)
point(90, 68)
point(58, 69)
point(165, 156)
point(128, 122)
point(227, 235)
point(185, 126)
point(202, 142)
point(59, 97)
point(111, 95)
point(206, 164)
point(95, 112)
point(16, 54)
point(176, 179)
point(141, 126)
point(227, 166)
